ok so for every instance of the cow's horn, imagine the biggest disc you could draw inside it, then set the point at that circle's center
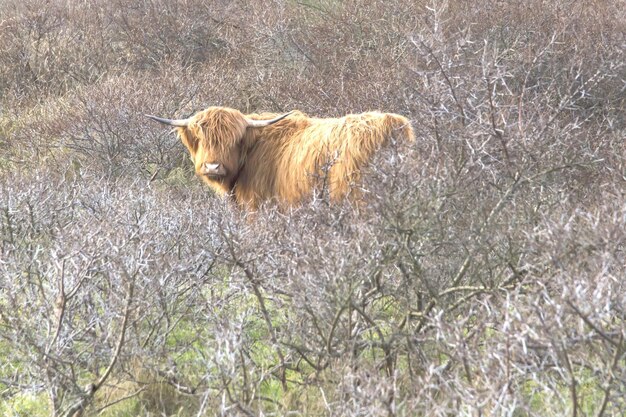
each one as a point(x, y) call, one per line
point(170, 122)
point(263, 123)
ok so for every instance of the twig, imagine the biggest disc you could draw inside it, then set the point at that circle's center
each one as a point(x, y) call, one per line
point(607, 392)
point(78, 408)
point(261, 300)
point(119, 400)
point(573, 382)
point(517, 183)
point(593, 326)
point(445, 76)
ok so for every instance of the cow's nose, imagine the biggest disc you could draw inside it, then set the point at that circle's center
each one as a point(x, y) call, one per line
point(215, 170)
point(211, 167)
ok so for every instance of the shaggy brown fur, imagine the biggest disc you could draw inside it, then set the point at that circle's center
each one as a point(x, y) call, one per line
point(283, 160)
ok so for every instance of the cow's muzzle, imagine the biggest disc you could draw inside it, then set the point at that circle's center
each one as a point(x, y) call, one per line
point(212, 170)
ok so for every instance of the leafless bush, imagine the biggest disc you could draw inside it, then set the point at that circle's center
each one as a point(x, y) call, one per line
point(481, 274)
point(55, 47)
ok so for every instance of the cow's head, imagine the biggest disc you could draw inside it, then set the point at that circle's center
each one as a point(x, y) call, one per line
point(214, 138)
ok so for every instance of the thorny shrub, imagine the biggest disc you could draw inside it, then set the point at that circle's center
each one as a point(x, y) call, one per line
point(482, 274)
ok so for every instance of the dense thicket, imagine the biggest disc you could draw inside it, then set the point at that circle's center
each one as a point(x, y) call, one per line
point(483, 274)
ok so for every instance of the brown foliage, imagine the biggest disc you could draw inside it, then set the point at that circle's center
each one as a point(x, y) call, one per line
point(483, 276)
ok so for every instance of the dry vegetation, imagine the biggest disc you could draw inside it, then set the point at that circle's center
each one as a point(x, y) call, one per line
point(484, 276)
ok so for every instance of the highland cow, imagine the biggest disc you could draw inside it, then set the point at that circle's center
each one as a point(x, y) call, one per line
point(260, 157)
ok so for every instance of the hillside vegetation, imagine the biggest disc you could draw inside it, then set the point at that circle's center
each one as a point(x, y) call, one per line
point(484, 274)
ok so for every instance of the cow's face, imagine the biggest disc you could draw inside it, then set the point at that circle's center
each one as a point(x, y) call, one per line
point(214, 140)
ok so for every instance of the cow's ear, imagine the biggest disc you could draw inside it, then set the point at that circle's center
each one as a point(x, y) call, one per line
point(188, 139)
